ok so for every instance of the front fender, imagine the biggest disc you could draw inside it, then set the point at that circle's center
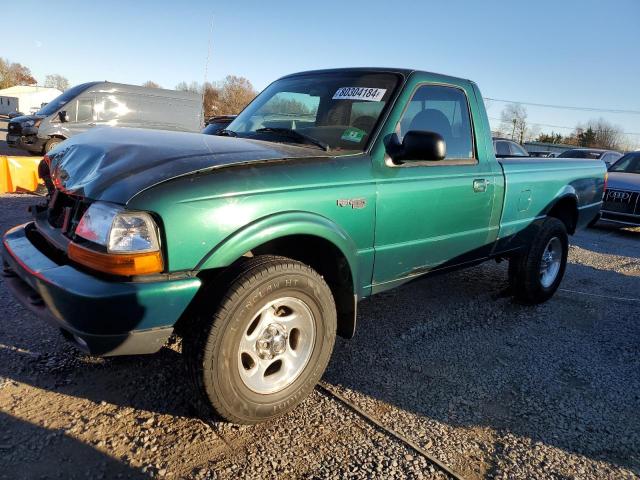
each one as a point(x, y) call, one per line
point(276, 226)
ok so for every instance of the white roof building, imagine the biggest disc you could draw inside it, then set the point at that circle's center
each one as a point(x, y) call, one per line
point(26, 99)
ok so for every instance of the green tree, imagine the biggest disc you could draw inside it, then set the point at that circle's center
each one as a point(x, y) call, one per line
point(586, 138)
point(549, 138)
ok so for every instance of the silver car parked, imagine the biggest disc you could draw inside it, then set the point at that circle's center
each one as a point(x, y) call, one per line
point(609, 157)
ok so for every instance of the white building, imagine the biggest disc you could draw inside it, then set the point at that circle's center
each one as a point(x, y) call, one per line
point(25, 99)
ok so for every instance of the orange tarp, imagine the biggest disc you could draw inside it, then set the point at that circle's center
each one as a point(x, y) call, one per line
point(18, 173)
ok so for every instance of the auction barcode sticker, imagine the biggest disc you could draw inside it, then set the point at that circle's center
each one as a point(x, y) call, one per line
point(360, 93)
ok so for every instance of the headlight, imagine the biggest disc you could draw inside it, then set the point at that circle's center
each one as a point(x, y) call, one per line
point(119, 230)
point(95, 224)
point(133, 232)
point(130, 238)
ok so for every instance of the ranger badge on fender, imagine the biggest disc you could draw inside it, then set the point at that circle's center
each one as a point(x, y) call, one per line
point(355, 203)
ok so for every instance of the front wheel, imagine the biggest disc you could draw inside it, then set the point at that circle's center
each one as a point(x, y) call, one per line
point(259, 349)
point(51, 144)
point(535, 275)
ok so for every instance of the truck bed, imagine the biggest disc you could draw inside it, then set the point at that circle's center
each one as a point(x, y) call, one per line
point(527, 195)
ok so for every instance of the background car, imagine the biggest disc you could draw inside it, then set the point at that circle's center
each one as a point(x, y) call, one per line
point(508, 148)
point(609, 157)
point(622, 195)
point(542, 154)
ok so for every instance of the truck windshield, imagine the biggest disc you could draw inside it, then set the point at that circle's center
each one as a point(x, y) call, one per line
point(336, 111)
point(61, 100)
point(630, 163)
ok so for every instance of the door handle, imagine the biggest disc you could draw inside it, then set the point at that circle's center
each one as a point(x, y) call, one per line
point(92, 124)
point(480, 185)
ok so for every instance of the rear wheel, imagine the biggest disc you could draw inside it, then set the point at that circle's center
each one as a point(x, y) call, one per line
point(259, 349)
point(535, 275)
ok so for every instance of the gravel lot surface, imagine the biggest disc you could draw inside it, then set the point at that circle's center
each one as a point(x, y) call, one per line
point(493, 389)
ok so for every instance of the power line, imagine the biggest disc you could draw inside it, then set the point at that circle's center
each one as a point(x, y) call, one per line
point(566, 107)
point(559, 126)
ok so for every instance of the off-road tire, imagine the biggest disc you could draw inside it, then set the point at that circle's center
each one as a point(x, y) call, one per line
point(524, 269)
point(211, 341)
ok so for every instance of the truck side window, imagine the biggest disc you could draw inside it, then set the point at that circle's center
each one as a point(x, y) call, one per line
point(502, 148)
point(443, 110)
point(85, 110)
point(517, 150)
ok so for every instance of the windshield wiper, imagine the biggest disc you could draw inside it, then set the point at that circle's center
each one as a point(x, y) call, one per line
point(227, 133)
point(296, 135)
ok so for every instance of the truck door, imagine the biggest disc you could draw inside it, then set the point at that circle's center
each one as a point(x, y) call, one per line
point(434, 214)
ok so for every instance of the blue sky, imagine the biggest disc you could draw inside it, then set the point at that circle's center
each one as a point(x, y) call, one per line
point(565, 52)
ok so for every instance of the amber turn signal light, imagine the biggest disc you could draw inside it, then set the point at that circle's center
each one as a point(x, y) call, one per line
point(125, 264)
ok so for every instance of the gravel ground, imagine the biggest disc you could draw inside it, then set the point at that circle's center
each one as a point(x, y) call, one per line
point(494, 389)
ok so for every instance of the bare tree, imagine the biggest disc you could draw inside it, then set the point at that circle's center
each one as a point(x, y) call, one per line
point(151, 84)
point(607, 135)
point(235, 94)
point(56, 81)
point(597, 134)
point(514, 121)
point(192, 87)
point(532, 133)
point(12, 74)
point(211, 100)
point(227, 97)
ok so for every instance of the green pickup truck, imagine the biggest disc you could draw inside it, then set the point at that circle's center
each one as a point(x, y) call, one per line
point(255, 245)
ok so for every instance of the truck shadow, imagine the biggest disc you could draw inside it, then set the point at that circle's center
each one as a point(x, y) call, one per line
point(611, 239)
point(447, 353)
point(37, 452)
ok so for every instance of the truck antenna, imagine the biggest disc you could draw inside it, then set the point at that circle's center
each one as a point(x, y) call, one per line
point(206, 66)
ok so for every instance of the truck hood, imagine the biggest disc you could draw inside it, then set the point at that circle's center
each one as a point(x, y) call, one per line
point(114, 164)
point(23, 118)
point(624, 181)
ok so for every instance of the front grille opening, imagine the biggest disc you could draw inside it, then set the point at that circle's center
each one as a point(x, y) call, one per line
point(64, 206)
point(41, 243)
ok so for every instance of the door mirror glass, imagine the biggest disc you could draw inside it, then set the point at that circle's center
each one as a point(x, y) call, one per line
point(63, 115)
point(418, 146)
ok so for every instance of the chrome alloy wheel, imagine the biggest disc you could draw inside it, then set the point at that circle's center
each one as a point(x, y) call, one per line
point(551, 260)
point(276, 345)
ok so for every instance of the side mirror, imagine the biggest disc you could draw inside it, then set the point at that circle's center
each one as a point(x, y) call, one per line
point(64, 116)
point(418, 145)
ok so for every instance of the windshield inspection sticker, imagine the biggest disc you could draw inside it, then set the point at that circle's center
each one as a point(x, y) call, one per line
point(360, 93)
point(352, 134)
